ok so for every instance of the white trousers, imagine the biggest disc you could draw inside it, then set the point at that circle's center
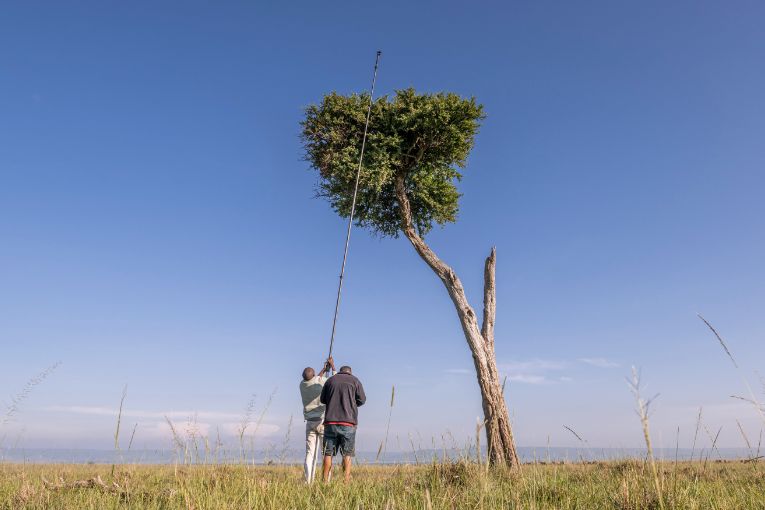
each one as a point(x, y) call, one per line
point(314, 436)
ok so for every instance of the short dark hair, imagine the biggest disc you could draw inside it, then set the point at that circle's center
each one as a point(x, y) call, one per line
point(345, 369)
point(308, 373)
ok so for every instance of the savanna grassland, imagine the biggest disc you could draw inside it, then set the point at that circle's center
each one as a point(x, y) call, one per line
point(616, 485)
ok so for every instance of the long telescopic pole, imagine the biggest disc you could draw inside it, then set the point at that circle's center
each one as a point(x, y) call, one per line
point(353, 205)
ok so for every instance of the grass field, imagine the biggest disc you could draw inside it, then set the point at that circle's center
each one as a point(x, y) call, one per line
point(619, 485)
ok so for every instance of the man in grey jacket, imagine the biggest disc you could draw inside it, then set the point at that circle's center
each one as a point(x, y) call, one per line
point(342, 395)
point(313, 412)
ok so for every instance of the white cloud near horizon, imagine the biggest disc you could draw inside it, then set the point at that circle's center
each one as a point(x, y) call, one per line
point(136, 413)
point(537, 370)
point(518, 377)
point(533, 365)
point(460, 371)
point(153, 425)
point(533, 371)
point(525, 372)
point(528, 379)
point(599, 362)
point(201, 429)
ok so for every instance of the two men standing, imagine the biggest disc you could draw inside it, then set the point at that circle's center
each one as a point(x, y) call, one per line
point(330, 408)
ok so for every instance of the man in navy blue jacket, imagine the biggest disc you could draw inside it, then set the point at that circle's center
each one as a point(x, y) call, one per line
point(342, 395)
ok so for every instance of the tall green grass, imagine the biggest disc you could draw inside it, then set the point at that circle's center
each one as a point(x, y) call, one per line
point(620, 485)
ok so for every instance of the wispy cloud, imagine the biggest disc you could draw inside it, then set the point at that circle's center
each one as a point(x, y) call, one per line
point(599, 362)
point(538, 370)
point(533, 371)
point(523, 378)
point(533, 365)
point(459, 371)
point(173, 415)
point(154, 425)
point(262, 430)
point(528, 379)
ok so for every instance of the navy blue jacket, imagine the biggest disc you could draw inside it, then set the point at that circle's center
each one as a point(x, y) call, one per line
point(342, 394)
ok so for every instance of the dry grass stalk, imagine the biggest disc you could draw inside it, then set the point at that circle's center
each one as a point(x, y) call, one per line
point(246, 419)
point(478, 426)
point(719, 339)
point(132, 436)
point(259, 422)
point(192, 436)
point(15, 405)
point(581, 440)
point(119, 422)
point(714, 443)
point(749, 400)
point(119, 419)
point(91, 483)
point(696, 434)
point(753, 400)
point(674, 467)
point(642, 411)
point(414, 450)
point(286, 444)
point(384, 444)
point(575, 434)
point(743, 434)
point(178, 443)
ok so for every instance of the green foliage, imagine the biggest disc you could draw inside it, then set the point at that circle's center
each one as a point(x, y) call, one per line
point(425, 138)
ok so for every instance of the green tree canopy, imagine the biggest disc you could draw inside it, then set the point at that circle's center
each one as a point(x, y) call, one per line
point(424, 138)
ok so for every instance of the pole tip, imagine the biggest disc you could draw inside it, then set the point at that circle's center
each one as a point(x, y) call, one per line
point(379, 53)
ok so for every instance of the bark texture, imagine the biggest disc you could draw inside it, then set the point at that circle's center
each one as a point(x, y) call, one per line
point(480, 339)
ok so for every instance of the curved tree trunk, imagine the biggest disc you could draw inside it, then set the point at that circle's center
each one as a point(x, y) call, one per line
point(499, 434)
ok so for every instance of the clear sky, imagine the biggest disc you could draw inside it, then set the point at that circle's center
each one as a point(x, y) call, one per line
point(158, 227)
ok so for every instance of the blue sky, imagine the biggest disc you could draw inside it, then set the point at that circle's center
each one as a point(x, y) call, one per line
point(158, 227)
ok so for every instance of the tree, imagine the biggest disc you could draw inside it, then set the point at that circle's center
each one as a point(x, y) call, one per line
point(416, 146)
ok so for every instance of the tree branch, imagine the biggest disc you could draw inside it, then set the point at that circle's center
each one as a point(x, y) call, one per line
point(489, 298)
point(420, 153)
point(405, 212)
point(447, 275)
point(411, 148)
